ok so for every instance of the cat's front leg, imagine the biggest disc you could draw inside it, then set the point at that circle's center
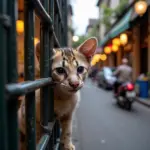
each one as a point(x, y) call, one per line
point(66, 136)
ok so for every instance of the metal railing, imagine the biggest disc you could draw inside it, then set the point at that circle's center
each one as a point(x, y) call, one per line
point(53, 33)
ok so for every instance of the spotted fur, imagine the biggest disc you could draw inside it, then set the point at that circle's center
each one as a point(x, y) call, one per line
point(69, 71)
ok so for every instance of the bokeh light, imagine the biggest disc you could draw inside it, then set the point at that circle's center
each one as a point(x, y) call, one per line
point(20, 26)
point(75, 38)
point(123, 39)
point(116, 41)
point(115, 48)
point(107, 49)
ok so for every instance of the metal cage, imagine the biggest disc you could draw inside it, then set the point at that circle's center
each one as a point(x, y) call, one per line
point(53, 33)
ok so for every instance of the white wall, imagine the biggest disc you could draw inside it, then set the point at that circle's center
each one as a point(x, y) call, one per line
point(114, 3)
point(69, 33)
point(130, 1)
point(102, 27)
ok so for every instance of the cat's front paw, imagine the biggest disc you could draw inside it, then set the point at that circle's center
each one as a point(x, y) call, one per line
point(69, 146)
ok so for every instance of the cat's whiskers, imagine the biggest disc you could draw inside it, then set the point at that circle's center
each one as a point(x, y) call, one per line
point(63, 85)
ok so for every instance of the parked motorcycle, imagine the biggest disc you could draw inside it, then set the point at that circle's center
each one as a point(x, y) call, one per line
point(126, 95)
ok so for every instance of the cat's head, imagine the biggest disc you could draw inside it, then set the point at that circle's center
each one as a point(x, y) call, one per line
point(70, 66)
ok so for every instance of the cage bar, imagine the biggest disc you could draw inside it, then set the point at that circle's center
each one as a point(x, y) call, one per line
point(52, 13)
point(29, 74)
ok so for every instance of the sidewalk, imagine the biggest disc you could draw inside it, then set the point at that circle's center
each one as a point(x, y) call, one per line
point(145, 102)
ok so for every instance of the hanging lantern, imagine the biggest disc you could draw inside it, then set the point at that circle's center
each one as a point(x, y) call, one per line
point(140, 7)
point(123, 39)
point(115, 48)
point(96, 59)
point(107, 49)
point(116, 41)
point(93, 63)
point(103, 57)
point(20, 26)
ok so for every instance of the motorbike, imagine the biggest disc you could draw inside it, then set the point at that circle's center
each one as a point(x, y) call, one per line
point(126, 95)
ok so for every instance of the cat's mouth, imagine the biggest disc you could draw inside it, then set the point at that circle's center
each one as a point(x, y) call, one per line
point(77, 89)
point(72, 90)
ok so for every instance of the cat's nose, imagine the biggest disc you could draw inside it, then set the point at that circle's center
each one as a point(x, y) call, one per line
point(74, 84)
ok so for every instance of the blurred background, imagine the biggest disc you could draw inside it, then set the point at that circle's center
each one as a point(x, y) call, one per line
point(122, 28)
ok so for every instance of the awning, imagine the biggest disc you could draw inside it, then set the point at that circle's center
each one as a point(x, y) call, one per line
point(120, 27)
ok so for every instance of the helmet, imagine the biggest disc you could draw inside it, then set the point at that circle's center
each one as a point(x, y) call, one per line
point(124, 60)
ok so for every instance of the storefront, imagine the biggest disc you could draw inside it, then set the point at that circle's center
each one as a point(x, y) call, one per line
point(135, 44)
point(20, 39)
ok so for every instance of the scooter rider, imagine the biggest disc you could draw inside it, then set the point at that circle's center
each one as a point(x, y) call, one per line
point(123, 74)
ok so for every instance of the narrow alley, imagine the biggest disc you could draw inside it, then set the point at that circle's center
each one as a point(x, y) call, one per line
point(101, 125)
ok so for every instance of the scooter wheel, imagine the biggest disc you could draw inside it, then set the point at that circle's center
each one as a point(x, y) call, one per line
point(117, 101)
point(128, 106)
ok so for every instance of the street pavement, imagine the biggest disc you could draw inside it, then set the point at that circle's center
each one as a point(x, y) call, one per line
point(99, 124)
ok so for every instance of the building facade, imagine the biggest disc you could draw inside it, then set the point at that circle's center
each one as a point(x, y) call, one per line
point(137, 48)
point(109, 3)
point(70, 28)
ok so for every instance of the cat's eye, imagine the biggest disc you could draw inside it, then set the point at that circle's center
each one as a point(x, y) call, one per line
point(60, 70)
point(80, 69)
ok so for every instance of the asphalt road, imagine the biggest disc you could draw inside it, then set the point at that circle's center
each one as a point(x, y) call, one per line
point(101, 125)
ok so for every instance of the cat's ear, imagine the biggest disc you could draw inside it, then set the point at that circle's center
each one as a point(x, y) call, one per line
point(88, 47)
